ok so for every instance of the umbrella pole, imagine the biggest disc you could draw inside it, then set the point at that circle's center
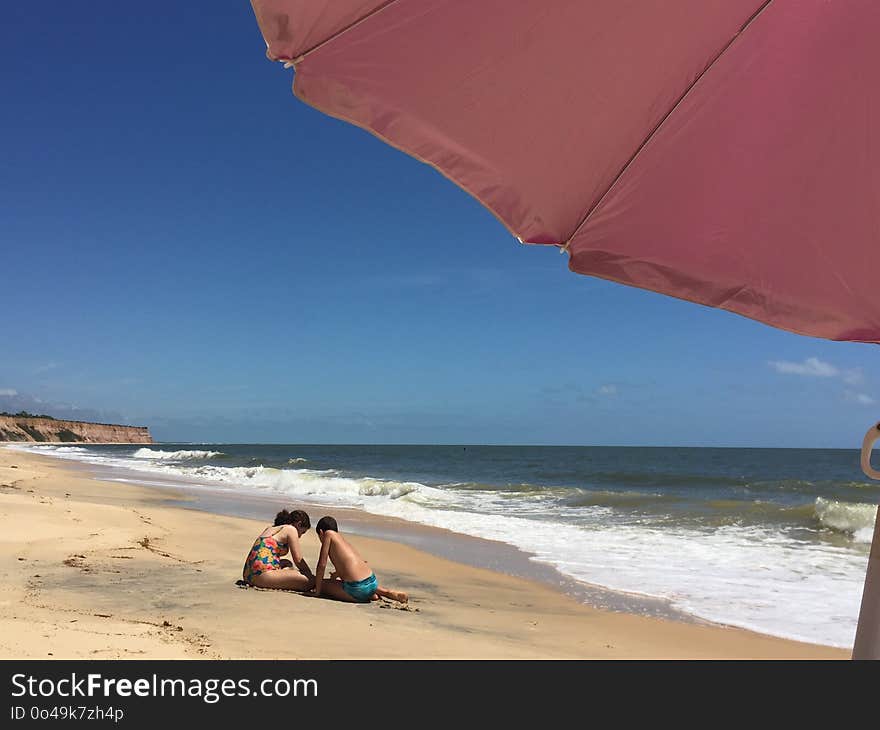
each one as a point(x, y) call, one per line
point(867, 642)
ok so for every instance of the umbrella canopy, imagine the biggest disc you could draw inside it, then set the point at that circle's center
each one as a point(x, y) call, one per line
point(726, 152)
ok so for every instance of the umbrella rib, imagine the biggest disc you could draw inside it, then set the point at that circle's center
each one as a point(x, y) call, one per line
point(653, 132)
point(341, 31)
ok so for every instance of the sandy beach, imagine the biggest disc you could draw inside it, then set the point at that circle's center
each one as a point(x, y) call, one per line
point(95, 569)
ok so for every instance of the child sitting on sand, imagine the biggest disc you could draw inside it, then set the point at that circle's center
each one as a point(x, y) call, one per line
point(264, 567)
point(352, 579)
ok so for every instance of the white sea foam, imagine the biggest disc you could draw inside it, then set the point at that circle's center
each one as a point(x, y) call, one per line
point(757, 577)
point(175, 455)
point(58, 449)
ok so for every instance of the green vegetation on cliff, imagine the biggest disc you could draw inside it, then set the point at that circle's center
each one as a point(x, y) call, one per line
point(25, 414)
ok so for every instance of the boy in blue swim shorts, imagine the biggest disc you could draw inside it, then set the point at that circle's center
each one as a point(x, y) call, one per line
point(352, 578)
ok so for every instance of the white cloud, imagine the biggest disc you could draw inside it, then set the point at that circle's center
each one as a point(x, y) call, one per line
point(812, 366)
point(46, 368)
point(861, 398)
point(854, 377)
point(8, 391)
point(608, 389)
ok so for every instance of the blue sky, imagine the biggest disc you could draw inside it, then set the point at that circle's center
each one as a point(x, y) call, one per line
point(185, 245)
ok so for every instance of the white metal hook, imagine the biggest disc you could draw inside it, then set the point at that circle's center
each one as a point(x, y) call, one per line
point(291, 62)
point(870, 438)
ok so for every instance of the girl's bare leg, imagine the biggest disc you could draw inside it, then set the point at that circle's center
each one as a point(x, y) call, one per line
point(285, 578)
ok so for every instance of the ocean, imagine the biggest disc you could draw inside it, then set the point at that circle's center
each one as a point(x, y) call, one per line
point(774, 540)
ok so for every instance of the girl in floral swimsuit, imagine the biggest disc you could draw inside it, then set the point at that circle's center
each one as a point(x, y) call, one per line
point(264, 567)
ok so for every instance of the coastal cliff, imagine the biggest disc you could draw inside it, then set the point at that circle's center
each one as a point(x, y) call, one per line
point(20, 428)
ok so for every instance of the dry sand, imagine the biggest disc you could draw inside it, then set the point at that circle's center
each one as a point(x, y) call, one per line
point(92, 569)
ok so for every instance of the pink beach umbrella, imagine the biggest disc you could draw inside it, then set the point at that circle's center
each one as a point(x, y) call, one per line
point(726, 152)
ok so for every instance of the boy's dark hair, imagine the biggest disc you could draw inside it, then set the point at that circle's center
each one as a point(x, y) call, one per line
point(294, 517)
point(326, 523)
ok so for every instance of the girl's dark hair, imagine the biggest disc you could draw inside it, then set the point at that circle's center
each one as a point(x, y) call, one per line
point(294, 517)
point(326, 523)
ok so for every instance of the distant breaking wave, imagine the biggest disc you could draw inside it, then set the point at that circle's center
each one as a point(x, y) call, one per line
point(175, 455)
point(304, 482)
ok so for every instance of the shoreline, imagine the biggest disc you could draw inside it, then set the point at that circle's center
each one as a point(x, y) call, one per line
point(177, 571)
point(458, 547)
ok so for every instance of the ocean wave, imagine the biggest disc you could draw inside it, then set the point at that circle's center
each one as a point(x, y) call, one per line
point(28, 446)
point(859, 485)
point(316, 484)
point(771, 512)
point(853, 518)
point(297, 460)
point(628, 499)
point(648, 479)
point(175, 455)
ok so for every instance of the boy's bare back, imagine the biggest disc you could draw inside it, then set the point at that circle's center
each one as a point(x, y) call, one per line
point(348, 563)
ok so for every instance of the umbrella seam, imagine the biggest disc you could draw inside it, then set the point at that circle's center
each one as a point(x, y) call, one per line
point(752, 18)
point(338, 33)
